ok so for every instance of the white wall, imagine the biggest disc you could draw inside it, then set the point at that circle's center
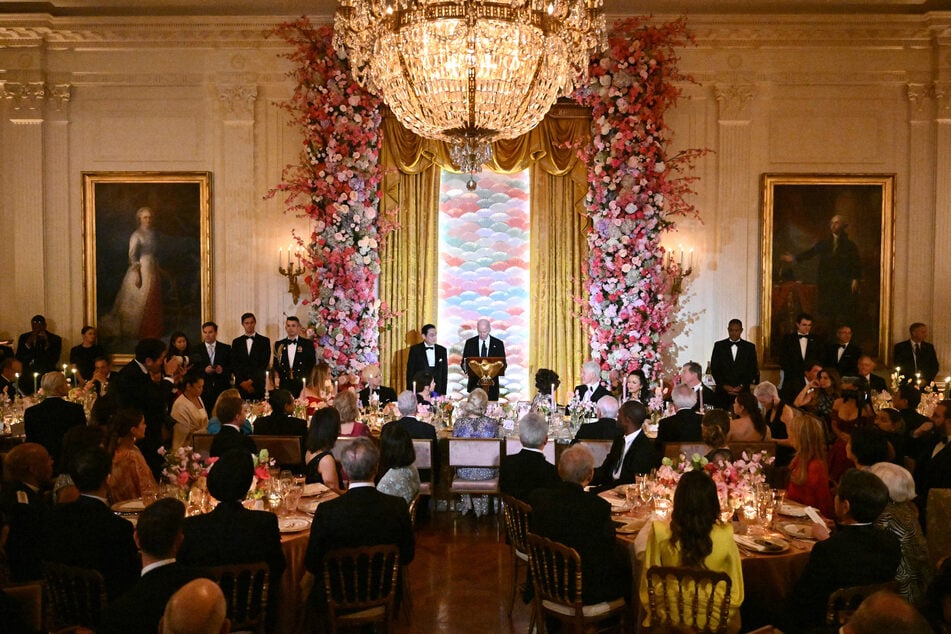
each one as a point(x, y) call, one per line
point(776, 94)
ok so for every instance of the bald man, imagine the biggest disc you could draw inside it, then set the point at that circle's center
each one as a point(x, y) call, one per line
point(886, 613)
point(197, 608)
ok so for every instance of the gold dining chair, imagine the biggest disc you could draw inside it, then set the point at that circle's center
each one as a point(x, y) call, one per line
point(245, 587)
point(680, 597)
point(360, 584)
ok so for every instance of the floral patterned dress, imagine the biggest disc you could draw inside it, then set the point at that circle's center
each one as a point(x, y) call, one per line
point(476, 427)
point(402, 482)
point(130, 475)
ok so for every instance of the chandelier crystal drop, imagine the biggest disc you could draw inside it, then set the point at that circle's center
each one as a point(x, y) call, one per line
point(469, 72)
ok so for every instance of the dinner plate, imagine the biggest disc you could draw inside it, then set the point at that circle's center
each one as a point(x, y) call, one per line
point(129, 506)
point(293, 524)
point(792, 510)
point(314, 489)
point(799, 531)
point(308, 506)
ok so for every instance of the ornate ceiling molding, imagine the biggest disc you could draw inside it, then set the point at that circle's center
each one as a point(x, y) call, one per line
point(32, 96)
point(734, 100)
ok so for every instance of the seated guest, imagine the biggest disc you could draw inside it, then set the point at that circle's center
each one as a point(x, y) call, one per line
point(748, 426)
point(230, 410)
point(808, 474)
point(101, 377)
point(397, 474)
point(527, 470)
point(778, 416)
point(885, 611)
point(900, 518)
point(571, 516)
point(591, 389)
point(86, 533)
point(348, 407)
point(715, 427)
point(214, 423)
point(28, 470)
point(695, 538)
point(889, 420)
point(280, 422)
point(857, 553)
point(866, 446)
point(232, 534)
point(130, 473)
point(635, 387)
point(475, 424)
point(546, 382)
point(76, 441)
point(425, 387)
point(9, 369)
point(906, 400)
point(375, 391)
point(631, 454)
point(362, 517)
point(684, 425)
point(199, 607)
point(321, 466)
point(818, 395)
point(48, 421)
point(691, 375)
point(865, 367)
point(158, 534)
point(188, 410)
point(318, 389)
point(605, 428)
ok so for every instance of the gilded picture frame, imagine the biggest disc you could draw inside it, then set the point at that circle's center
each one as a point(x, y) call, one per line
point(146, 256)
point(842, 274)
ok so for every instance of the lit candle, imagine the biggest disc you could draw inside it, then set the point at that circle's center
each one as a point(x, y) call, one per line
point(64, 369)
point(414, 387)
point(624, 390)
point(553, 401)
point(304, 383)
point(280, 257)
point(681, 256)
point(690, 263)
point(74, 377)
point(288, 257)
point(36, 376)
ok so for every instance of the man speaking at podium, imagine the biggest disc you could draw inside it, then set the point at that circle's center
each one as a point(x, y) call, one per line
point(483, 345)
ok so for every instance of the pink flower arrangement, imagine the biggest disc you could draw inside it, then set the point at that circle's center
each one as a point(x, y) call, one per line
point(735, 480)
point(184, 467)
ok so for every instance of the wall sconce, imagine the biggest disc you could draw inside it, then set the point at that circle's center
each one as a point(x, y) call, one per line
point(678, 269)
point(291, 272)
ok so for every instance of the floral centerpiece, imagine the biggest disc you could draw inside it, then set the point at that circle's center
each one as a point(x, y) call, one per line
point(262, 474)
point(580, 412)
point(185, 468)
point(736, 480)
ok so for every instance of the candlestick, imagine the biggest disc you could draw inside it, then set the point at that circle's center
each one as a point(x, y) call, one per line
point(280, 257)
point(304, 384)
point(553, 401)
point(414, 387)
point(624, 391)
point(36, 376)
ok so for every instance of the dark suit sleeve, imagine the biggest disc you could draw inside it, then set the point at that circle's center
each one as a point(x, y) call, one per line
point(275, 554)
point(809, 596)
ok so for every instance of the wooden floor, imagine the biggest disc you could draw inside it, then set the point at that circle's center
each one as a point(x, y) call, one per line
point(461, 578)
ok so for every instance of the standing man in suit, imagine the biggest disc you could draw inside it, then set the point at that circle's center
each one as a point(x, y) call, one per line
point(527, 470)
point(913, 355)
point(214, 359)
point(375, 390)
point(795, 349)
point(431, 357)
point(294, 358)
point(843, 353)
point(38, 351)
point(591, 389)
point(733, 365)
point(632, 454)
point(691, 375)
point(362, 517)
point(483, 345)
point(158, 534)
point(250, 356)
point(48, 421)
point(136, 390)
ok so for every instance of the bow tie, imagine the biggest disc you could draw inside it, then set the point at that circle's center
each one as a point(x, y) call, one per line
point(430, 347)
point(292, 342)
point(843, 345)
point(249, 337)
point(734, 343)
point(803, 336)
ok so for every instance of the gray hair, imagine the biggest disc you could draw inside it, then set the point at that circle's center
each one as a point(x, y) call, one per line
point(683, 396)
point(765, 389)
point(533, 430)
point(360, 459)
point(406, 402)
point(576, 464)
point(900, 483)
point(607, 407)
point(477, 402)
point(54, 384)
point(592, 366)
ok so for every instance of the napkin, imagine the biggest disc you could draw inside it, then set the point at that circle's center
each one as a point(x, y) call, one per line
point(759, 545)
point(315, 488)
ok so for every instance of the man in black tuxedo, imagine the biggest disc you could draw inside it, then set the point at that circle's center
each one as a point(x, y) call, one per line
point(38, 351)
point(691, 375)
point(86, 533)
point(933, 464)
point(214, 360)
point(250, 356)
point(684, 425)
point(581, 520)
point(230, 413)
point(48, 421)
point(591, 389)
point(232, 534)
point(865, 367)
point(102, 376)
point(29, 471)
point(605, 428)
point(915, 355)
point(428, 356)
point(483, 345)
point(158, 534)
point(733, 365)
point(795, 350)
point(9, 369)
point(632, 454)
point(294, 358)
point(842, 354)
point(136, 389)
point(361, 517)
point(857, 553)
point(407, 404)
point(280, 422)
point(527, 470)
point(375, 390)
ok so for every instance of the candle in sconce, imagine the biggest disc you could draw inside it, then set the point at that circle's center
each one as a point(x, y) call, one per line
point(280, 257)
point(690, 262)
point(288, 257)
point(681, 256)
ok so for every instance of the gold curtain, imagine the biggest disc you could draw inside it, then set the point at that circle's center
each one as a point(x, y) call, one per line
point(558, 252)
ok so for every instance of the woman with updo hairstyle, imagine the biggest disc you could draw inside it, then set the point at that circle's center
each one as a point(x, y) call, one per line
point(715, 427)
point(695, 538)
point(748, 426)
point(321, 466)
point(475, 424)
point(130, 473)
point(545, 381)
point(636, 383)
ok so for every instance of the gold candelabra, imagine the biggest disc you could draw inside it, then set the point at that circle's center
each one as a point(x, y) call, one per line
point(291, 271)
point(678, 269)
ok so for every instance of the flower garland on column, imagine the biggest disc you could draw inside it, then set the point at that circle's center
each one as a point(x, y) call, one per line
point(632, 195)
point(336, 185)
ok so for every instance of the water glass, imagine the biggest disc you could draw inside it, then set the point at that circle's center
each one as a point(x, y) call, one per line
point(662, 507)
point(292, 499)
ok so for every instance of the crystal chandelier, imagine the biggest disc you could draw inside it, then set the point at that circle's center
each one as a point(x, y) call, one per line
point(469, 72)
